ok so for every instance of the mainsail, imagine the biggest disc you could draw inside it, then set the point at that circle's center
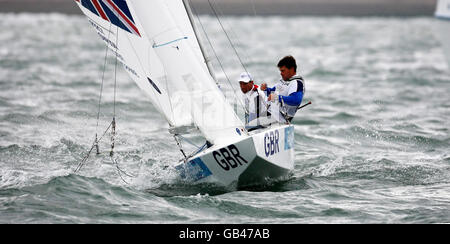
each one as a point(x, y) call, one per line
point(156, 43)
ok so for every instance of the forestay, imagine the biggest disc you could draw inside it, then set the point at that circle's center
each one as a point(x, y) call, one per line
point(156, 43)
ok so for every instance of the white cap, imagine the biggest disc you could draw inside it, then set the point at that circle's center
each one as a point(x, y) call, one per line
point(245, 77)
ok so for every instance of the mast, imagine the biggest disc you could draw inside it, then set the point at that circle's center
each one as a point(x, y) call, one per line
point(187, 6)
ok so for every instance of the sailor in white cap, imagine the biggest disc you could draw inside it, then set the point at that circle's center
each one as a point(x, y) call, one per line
point(255, 99)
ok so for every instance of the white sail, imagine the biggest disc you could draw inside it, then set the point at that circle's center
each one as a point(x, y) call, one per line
point(443, 9)
point(135, 53)
point(209, 110)
point(158, 48)
point(182, 20)
point(442, 27)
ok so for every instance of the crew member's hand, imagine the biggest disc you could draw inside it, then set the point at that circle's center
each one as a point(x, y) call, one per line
point(272, 97)
point(263, 86)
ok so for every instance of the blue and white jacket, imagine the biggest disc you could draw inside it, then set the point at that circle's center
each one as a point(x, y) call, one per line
point(290, 94)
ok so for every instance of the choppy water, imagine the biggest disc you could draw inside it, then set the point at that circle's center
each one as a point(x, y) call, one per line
point(373, 147)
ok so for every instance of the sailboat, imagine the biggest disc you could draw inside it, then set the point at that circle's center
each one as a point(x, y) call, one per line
point(158, 45)
point(443, 26)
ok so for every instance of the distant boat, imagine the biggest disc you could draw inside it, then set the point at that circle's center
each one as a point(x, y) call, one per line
point(156, 41)
point(443, 26)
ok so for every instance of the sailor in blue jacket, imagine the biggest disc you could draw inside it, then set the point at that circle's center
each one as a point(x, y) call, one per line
point(287, 93)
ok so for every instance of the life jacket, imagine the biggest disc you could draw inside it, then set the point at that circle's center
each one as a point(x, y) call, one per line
point(289, 111)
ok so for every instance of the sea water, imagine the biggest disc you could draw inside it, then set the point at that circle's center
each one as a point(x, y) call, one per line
point(372, 148)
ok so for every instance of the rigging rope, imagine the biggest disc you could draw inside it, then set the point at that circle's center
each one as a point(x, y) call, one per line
point(84, 160)
point(113, 130)
point(97, 140)
point(235, 38)
point(101, 91)
point(112, 125)
point(218, 60)
point(115, 70)
point(228, 37)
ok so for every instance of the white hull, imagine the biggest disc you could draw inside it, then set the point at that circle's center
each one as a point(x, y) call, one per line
point(266, 155)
